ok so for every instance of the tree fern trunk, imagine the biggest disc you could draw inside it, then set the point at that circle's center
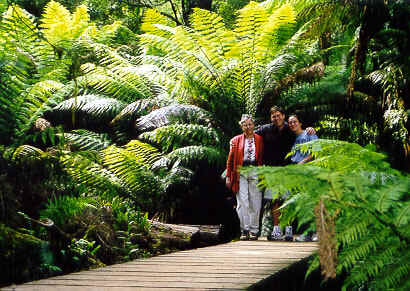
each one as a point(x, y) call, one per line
point(374, 17)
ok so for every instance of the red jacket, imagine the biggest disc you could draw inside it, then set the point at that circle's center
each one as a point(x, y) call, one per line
point(235, 158)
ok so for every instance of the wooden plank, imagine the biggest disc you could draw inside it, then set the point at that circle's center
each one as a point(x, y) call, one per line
point(140, 284)
point(232, 266)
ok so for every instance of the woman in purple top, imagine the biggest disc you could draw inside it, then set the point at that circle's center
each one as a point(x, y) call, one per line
point(300, 158)
point(301, 137)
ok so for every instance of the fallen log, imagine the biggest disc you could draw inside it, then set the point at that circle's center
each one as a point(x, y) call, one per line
point(191, 236)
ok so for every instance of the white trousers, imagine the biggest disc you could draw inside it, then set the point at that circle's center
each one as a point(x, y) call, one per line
point(249, 200)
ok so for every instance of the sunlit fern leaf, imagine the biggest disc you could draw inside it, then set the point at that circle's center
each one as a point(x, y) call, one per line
point(165, 71)
point(133, 171)
point(124, 83)
point(175, 136)
point(28, 152)
point(276, 31)
point(21, 42)
point(10, 90)
point(185, 51)
point(213, 37)
point(92, 174)
point(193, 157)
point(34, 103)
point(83, 140)
point(18, 29)
point(249, 25)
point(152, 17)
point(145, 153)
point(60, 27)
point(352, 156)
point(90, 111)
point(173, 114)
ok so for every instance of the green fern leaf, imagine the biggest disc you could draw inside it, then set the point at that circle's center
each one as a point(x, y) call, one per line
point(175, 136)
point(194, 156)
point(84, 140)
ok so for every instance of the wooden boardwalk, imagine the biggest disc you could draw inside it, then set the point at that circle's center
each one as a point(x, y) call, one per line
point(232, 266)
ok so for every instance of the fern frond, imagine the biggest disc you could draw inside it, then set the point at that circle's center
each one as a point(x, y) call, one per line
point(90, 111)
point(276, 31)
point(349, 233)
point(34, 103)
point(133, 171)
point(83, 140)
point(91, 173)
point(27, 152)
point(215, 39)
point(194, 156)
point(57, 22)
point(177, 176)
point(152, 17)
point(144, 152)
point(135, 110)
point(126, 87)
point(179, 135)
point(173, 114)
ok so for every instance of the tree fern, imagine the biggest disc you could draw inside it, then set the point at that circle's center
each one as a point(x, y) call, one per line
point(134, 173)
point(368, 202)
point(92, 174)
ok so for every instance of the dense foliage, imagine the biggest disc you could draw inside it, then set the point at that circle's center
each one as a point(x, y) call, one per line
point(116, 111)
point(359, 207)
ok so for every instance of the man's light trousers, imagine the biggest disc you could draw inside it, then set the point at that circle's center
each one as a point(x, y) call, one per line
point(249, 200)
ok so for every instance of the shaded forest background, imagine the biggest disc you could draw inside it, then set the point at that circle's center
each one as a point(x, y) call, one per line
point(116, 112)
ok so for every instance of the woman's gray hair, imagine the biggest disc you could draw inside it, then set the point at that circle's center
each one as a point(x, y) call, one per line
point(245, 117)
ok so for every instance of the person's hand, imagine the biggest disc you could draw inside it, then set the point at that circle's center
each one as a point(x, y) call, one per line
point(228, 183)
point(310, 131)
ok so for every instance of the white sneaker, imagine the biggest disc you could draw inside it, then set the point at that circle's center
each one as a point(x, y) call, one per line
point(276, 234)
point(303, 238)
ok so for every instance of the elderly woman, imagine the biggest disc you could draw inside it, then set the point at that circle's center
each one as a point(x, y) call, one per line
point(246, 150)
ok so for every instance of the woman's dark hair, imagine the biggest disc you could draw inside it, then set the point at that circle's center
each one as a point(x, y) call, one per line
point(294, 115)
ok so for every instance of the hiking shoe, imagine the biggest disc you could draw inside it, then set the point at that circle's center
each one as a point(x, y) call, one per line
point(253, 236)
point(303, 238)
point(276, 234)
point(244, 236)
point(288, 233)
point(275, 237)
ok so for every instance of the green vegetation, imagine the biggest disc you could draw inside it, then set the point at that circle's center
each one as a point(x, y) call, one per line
point(359, 207)
point(114, 112)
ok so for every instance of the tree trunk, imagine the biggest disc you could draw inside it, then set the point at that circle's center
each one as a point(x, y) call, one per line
point(190, 236)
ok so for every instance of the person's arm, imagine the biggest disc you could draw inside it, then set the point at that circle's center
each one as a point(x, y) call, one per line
point(310, 131)
point(229, 165)
point(307, 159)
